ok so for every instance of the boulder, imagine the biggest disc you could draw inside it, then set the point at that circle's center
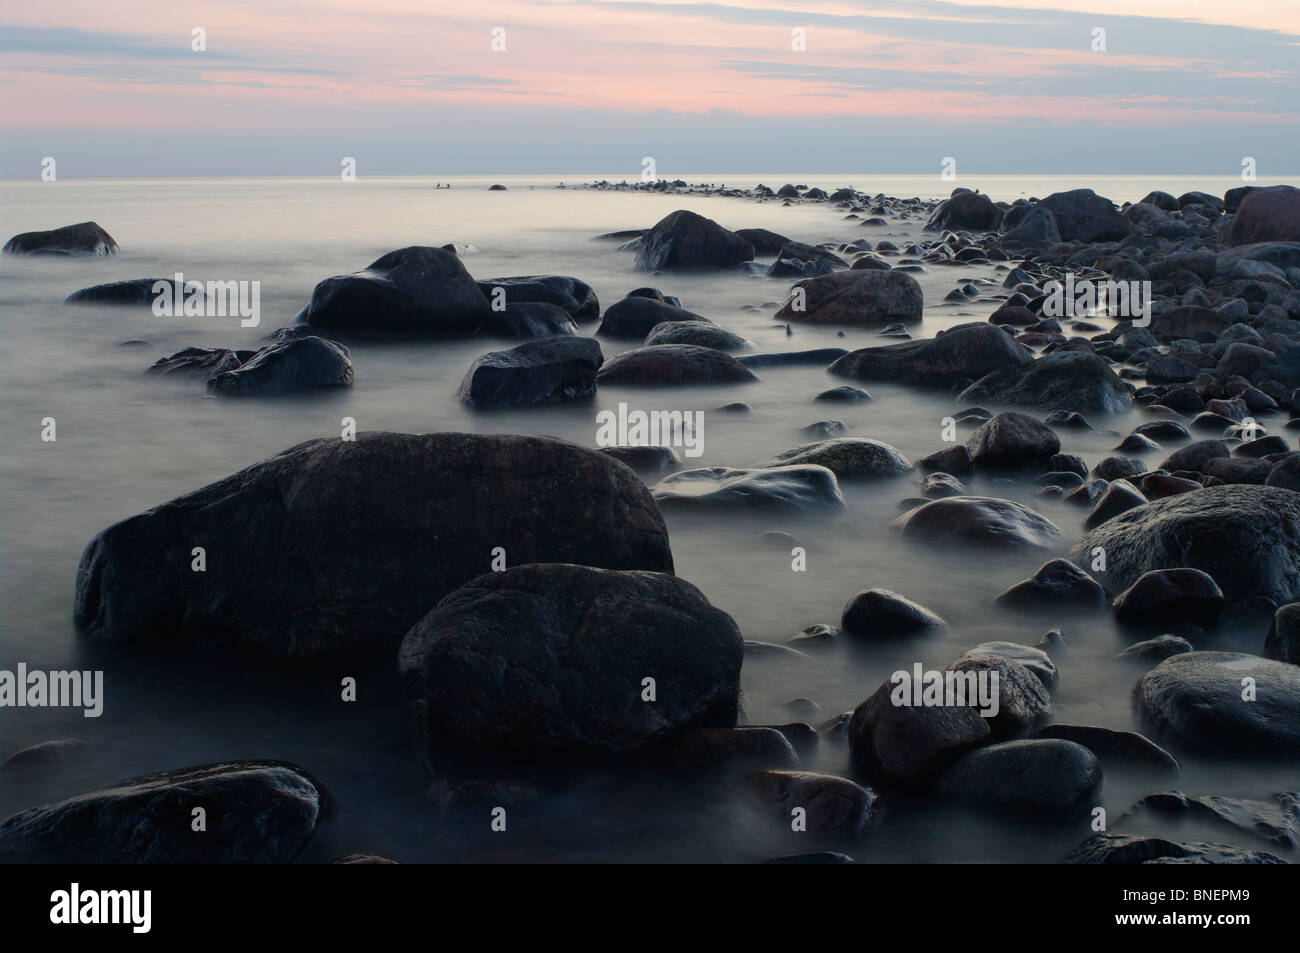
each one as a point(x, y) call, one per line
point(965, 352)
point(340, 546)
point(1122, 748)
point(1049, 775)
point(530, 320)
point(303, 364)
point(537, 372)
point(1170, 595)
point(1265, 215)
point(84, 238)
point(964, 210)
point(634, 317)
point(796, 488)
point(697, 333)
point(1283, 640)
point(574, 297)
point(1011, 439)
point(1136, 849)
point(880, 612)
point(834, 807)
point(1078, 381)
point(684, 240)
point(1083, 215)
point(855, 298)
point(1057, 583)
point(674, 365)
point(546, 664)
point(910, 744)
point(979, 521)
point(133, 291)
point(847, 458)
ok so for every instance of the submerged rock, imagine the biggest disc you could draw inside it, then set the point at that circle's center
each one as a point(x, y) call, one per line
point(684, 240)
point(302, 364)
point(634, 317)
point(880, 612)
point(672, 365)
point(979, 520)
point(538, 372)
point(1049, 775)
point(84, 238)
point(802, 488)
point(1135, 849)
point(834, 807)
point(847, 458)
point(1076, 381)
point(854, 298)
point(965, 352)
point(1057, 583)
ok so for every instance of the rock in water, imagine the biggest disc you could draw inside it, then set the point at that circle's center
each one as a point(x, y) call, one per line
point(1265, 215)
point(1083, 215)
point(1247, 538)
point(855, 298)
point(1283, 640)
point(553, 369)
point(1013, 440)
point(412, 291)
point(847, 458)
point(133, 291)
point(84, 238)
point(666, 365)
point(803, 489)
point(1057, 583)
point(1048, 775)
point(684, 240)
point(879, 612)
point(529, 320)
point(834, 807)
point(336, 545)
point(1133, 849)
point(635, 316)
point(1076, 381)
point(573, 296)
point(548, 662)
point(979, 520)
point(964, 210)
point(258, 812)
point(964, 352)
point(304, 363)
point(1224, 702)
point(698, 333)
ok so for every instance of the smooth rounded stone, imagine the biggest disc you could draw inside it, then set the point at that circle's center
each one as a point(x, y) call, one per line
point(855, 298)
point(819, 357)
point(1058, 481)
point(1023, 701)
point(1083, 215)
point(1119, 497)
point(954, 460)
point(1158, 649)
point(1189, 322)
point(1163, 430)
point(937, 486)
point(815, 635)
point(1076, 381)
point(1246, 537)
point(1196, 455)
point(1276, 820)
point(382, 528)
point(84, 238)
point(362, 859)
point(536, 372)
point(1013, 314)
point(1050, 775)
point(634, 317)
point(847, 458)
point(880, 612)
point(825, 429)
point(964, 210)
point(892, 330)
point(812, 857)
point(1282, 644)
point(1169, 369)
point(303, 364)
point(962, 353)
point(1057, 582)
point(1069, 463)
point(698, 333)
point(1120, 748)
point(1239, 470)
point(803, 737)
point(980, 521)
point(546, 663)
point(738, 407)
point(1208, 422)
point(529, 320)
point(1137, 443)
point(1262, 447)
point(910, 744)
point(669, 365)
point(835, 808)
point(1036, 227)
point(844, 394)
point(57, 751)
point(765, 242)
point(800, 489)
point(133, 291)
point(1051, 641)
point(872, 263)
point(1197, 699)
point(1156, 486)
point(1116, 468)
point(1170, 595)
point(1087, 494)
point(411, 291)
point(576, 298)
point(257, 812)
point(800, 251)
point(1136, 849)
point(1285, 474)
point(1031, 657)
point(1161, 200)
point(200, 362)
point(732, 749)
point(649, 462)
point(1265, 215)
point(685, 241)
point(1012, 440)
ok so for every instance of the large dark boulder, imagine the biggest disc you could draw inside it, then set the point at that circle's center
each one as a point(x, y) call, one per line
point(855, 298)
point(1224, 703)
point(698, 333)
point(635, 316)
point(674, 364)
point(1265, 215)
point(412, 291)
point(965, 352)
point(833, 807)
point(1035, 227)
point(133, 291)
point(914, 743)
point(1047, 775)
point(1057, 584)
point(798, 489)
point(549, 662)
point(530, 320)
point(537, 372)
point(1010, 439)
point(765, 242)
point(256, 812)
point(335, 546)
point(684, 241)
point(964, 210)
point(847, 457)
point(303, 364)
point(1083, 215)
point(572, 295)
point(1078, 381)
point(979, 521)
point(1189, 321)
point(1247, 538)
point(84, 238)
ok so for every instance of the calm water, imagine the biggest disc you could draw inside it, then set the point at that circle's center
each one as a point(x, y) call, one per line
point(127, 441)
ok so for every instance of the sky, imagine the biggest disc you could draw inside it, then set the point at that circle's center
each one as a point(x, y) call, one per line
point(288, 87)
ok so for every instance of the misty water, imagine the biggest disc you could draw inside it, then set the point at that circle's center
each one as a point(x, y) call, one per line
point(127, 441)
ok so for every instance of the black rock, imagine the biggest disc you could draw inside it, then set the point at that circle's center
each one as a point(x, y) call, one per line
point(553, 369)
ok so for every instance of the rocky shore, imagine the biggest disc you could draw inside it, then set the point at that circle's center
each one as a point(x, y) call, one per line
point(523, 588)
